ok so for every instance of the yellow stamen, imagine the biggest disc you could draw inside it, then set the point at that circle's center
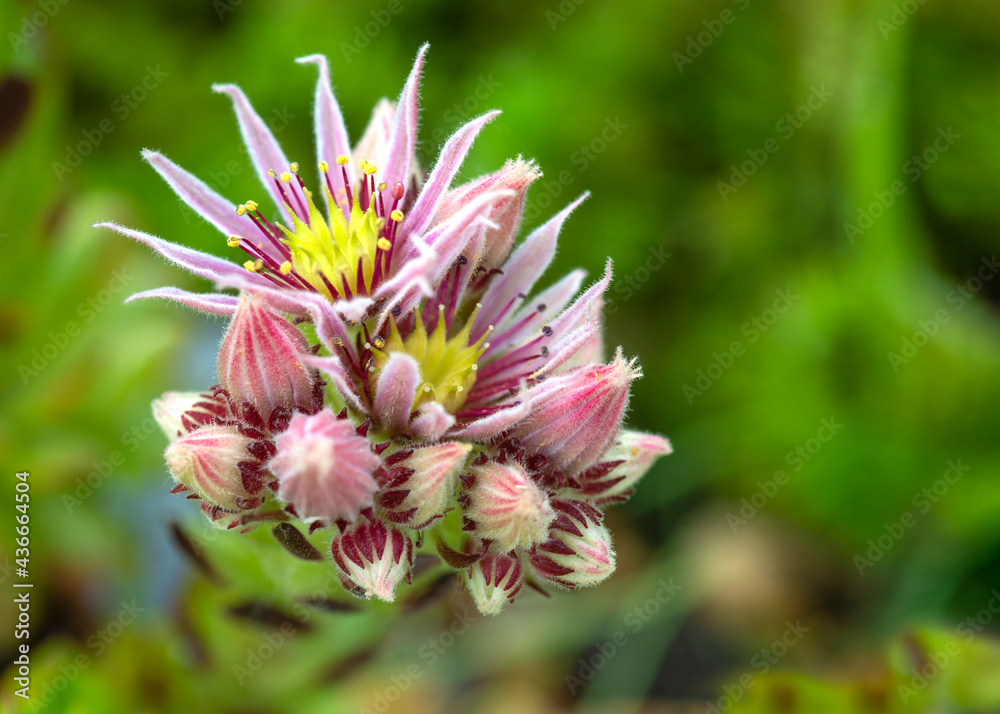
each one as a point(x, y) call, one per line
point(343, 159)
point(234, 241)
point(323, 166)
point(241, 210)
point(249, 265)
point(251, 205)
point(384, 243)
point(370, 168)
point(294, 166)
point(285, 176)
point(396, 215)
point(270, 172)
point(286, 267)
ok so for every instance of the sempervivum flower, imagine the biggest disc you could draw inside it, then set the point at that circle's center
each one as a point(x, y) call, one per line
point(390, 360)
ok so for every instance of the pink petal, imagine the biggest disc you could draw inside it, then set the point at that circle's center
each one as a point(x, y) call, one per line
point(397, 386)
point(215, 209)
point(201, 264)
point(403, 140)
point(334, 369)
point(449, 238)
point(374, 142)
point(488, 428)
point(447, 165)
point(260, 142)
point(212, 303)
point(431, 422)
point(528, 318)
point(522, 269)
point(586, 307)
point(331, 134)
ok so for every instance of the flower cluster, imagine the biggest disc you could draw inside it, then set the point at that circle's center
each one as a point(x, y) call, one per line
point(390, 371)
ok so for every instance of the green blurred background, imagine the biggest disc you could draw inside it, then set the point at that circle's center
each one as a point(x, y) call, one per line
point(801, 203)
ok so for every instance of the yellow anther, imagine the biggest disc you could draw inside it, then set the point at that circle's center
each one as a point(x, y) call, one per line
point(286, 267)
point(249, 265)
point(294, 166)
point(381, 186)
point(251, 205)
point(323, 166)
point(270, 172)
point(343, 159)
point(258, 265)
point(363, 163)
point(378, 342)
point(285, 176)
point(241, 209)
point(396, 215)
point(370, 168)
point(384, 244)
point(234, 241)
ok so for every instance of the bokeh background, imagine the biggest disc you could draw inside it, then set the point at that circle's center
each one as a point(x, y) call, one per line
point(801, 203)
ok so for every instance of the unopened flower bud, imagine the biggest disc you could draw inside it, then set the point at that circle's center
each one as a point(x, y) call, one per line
point(180, 412)
point(493, 581)
point(421, 483)
point(373, 558)
point(621, 466)
point(260, 360)
point(579, 552)
point(324, 468)
point(507, 507)
point(207, 461)
point(578, 414)
point(516, 175)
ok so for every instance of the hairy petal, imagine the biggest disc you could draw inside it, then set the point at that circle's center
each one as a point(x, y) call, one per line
point(212, 303)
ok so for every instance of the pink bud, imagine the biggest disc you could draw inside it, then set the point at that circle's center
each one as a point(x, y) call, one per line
point(421, 483)
point(622, 466)
point(516, 175)
point(507, 507)
point(207, 461)
point(579, 552)
point(259, 361)
point(576, 415)
point(493, 581)
point(373, 558)
point(324, 468)
point(180, 412)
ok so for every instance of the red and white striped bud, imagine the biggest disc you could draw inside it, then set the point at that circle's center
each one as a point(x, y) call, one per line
point(180, 412)
point(493, 581)
point(324, 468)
point(207, 461)
point(515, 175)
point(421, 483)
point(260, 360)
point(621, 467)
point(577, 414)
point(373, 558)
point(579, 552)
point(506, 506)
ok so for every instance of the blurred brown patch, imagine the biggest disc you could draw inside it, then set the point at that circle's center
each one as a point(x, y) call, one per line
point(15, 100)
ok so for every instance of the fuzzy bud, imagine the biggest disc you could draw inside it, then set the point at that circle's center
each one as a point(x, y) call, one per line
point(577, 414)
point(579, 552)
point(260, 360)
point(373, 558)
point(516, 175)
point(506, 506)
point(421, 483)
point(324, 468)
point(180, 412)
point(493, 581)
point(207, 461)
point(622, 466)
